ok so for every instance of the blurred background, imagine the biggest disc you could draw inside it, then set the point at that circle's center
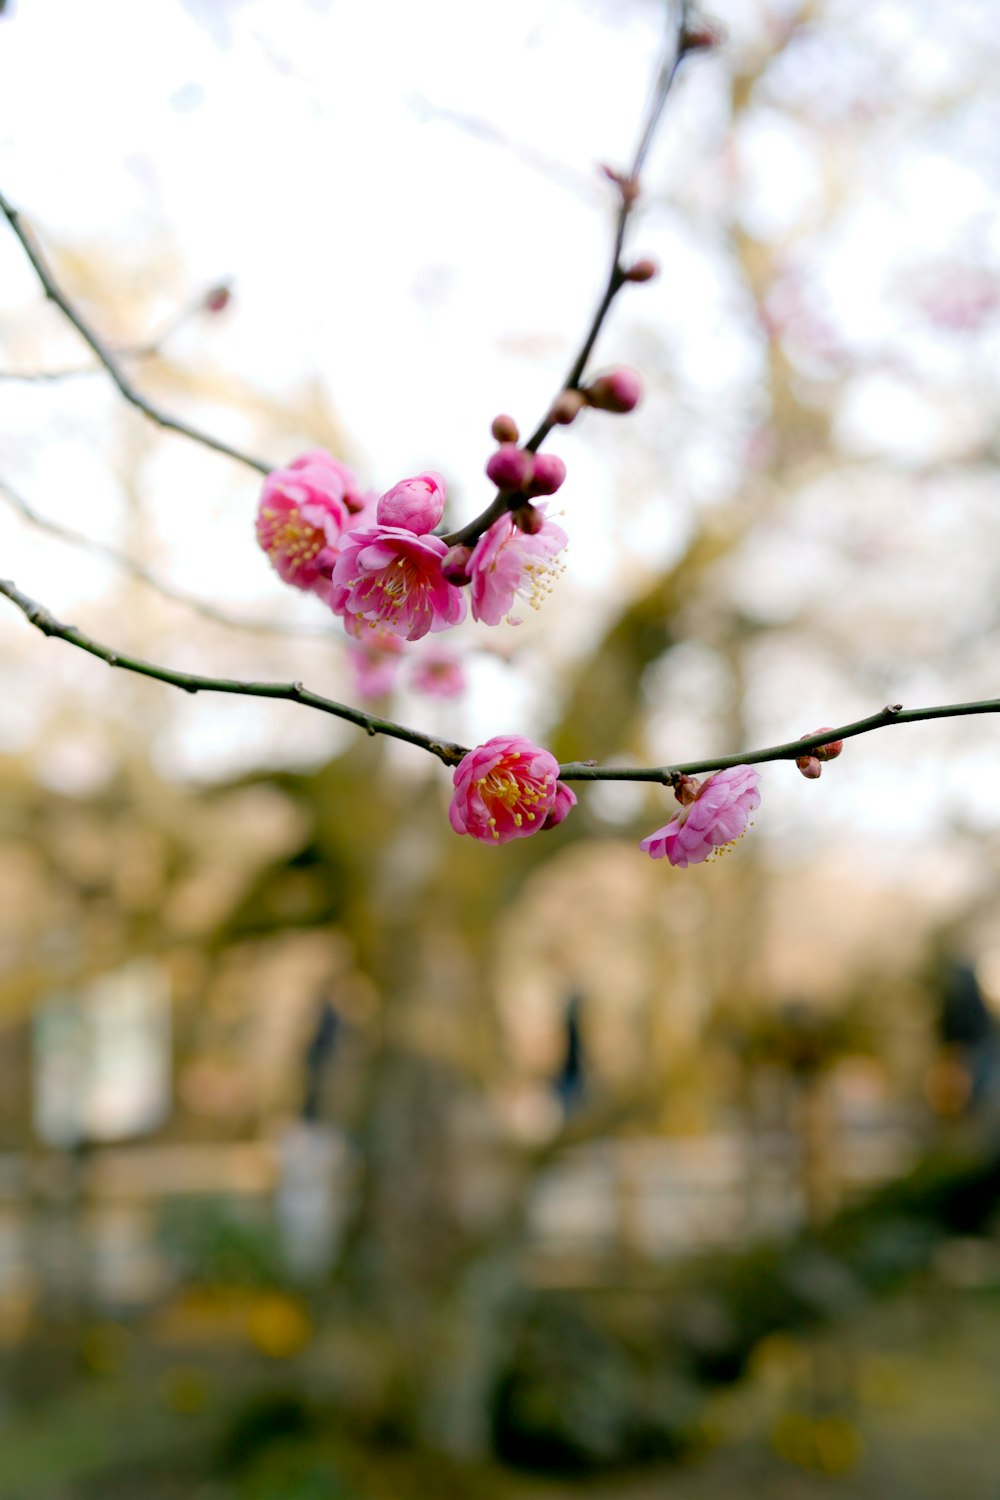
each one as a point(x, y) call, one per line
point(340, 1160)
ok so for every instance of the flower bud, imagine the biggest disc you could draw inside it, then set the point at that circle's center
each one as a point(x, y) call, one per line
point(699, 35)
point(642, 270)
point(510, 467)
point(504, 429)
point(566, 407)
point(415, 504)
point(825, 752)
point(455, 565)
point(565, 801)
point(217, 298)
point(620, 391)
point(528, 518)
point(809, 766)
point(549, 474)
point(686, 789)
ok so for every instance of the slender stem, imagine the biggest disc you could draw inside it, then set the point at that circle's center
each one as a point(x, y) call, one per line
point(446, 750)
point(616, 278)
point(110, 362)
point(152, 580)
point(191, 682)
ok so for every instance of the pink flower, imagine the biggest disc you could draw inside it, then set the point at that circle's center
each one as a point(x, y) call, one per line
point(414, 504)
point(565, 800)
point(391, 580)
point(504, 790)
point(716, 817)
point(303, 511)
point(440, 674)
point(507, 561)
point(374, 666)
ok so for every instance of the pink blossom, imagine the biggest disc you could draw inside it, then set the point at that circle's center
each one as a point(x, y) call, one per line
point(505, 789)
point(303, 511)
point(565, 801)
point(439, 673)
point(391, 579)
point(716, 817)
point(414, 504)
point(374, 666)
point(506, 562)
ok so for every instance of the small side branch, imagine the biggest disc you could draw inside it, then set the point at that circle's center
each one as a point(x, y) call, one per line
point(190, 682)
point(110, 361)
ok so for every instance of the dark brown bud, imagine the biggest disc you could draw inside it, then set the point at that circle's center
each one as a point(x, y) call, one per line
point(504, 429)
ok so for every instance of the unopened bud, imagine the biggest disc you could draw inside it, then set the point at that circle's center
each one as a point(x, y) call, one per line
point(825, 752)
point(567, 406)
point(527, 518)
point(627, 186)
point(809, 766)
point(620, 391)
point(504, 429)
point(548, 476)
point(510, 467)
point(455, 565)
point(217, 298)
point(700, 35)
point(643, 270)
point(686, 789)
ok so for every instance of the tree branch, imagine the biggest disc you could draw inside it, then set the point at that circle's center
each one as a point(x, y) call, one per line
point(445, 750)
point(152, 580)
point(110, 362)
point(616, 278)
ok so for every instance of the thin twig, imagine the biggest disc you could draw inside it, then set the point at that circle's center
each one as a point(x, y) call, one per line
point(120, 377)
point(152, 580)
point(616, 278)
point(450, 753)
point(149, 349)
point(191, 682)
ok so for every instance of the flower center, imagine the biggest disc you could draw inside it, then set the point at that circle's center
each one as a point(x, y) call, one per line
point(519, 798)
point(293, 540)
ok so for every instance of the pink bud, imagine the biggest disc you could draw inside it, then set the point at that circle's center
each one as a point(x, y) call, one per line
point(620, 390)
point(528, 518)
point(643, 270)
point(565, 801)
point(217, 298)
point(549, 474)
point(566, 407)
point(699, 35)
point(809, 766)
point(504, 429)
point(825, 752)
point(510, 467)
point(455, 565)
point(415, 504)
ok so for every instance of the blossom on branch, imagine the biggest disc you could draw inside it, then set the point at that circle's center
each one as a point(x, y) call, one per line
point(304, 508)
point(439, 673)
point(507, 561)
point(414, 504)
point(507, 789)
point(388, 578)
point(715, 814)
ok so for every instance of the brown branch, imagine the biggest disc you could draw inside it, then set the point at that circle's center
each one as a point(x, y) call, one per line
point(190, 682)
point(109, 360)
point(629, 189)
point(152, 580)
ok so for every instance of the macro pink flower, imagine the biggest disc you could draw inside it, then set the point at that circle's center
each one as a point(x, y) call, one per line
point(504, 790)
point(506, 562)
point(415, 504)
point(374, 666)
point(439, 673)
point(390, 579)
point(716, 817)
point(302, 513)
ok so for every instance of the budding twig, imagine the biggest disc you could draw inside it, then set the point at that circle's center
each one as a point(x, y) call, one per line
point(152, 580)
point(628, 192)
point(109, 360)
point(191, 682)
point(446, 750)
